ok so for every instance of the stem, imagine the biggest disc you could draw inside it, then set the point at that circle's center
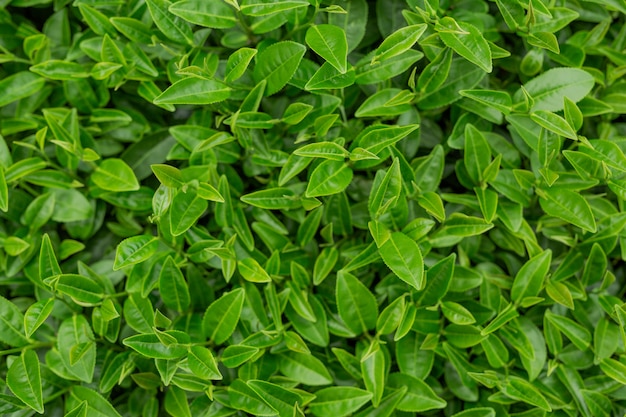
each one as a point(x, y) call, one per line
point(23, 348)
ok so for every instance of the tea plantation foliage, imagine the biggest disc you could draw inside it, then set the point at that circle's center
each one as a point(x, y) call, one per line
point(312, 207)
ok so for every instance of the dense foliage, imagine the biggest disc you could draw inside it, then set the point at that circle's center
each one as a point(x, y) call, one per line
point(312, 207)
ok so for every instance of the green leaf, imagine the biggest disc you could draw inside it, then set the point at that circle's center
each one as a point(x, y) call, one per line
point(74, 333)
point(339, 401)
point(328, 77)
point(477, 155)
point(83, 290)
point(194, 91)
point(356, 304)
point(149, 345)
point(252, 271)
point(466, 40)
point(499, 100)
point(135, 250)
point(304, 368)
point(222, 316)
point(272, 199)
point(244, 398)
point(438, 278)
point(238, 61)
point(569, 206)
point(115, 175)
point(18, 86)
point(329, 42)
point(456, 313)
point(168, 175)
point(277, 64)
point(385, 190)
point(390, 318)
point(398, 42)
point(11, 324)
point(403, 256)
point(380, 137)
point(560, 293)
point(59, 70)
point(203, 364)
point(216, 15)
point(373, 370)
point(284, 401)
point(378, 105)
point(329, 177)
point(550, 88)
point(24, 380)
point(176, 402)
point(173, 287)
point(614, 369)
point(522, 390)
point(185, 211)
point(171, 26)
point(236, 355)
point(97, 405)
point(324, 264)
point(529, 280)
point(419, 397)
point(36, 315)
point(554, 123)
point(263, 8)
point(580, 336)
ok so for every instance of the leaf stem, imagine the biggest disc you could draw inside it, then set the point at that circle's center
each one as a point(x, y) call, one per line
point(27, 347)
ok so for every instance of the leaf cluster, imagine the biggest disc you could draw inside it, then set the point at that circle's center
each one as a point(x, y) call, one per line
point(312, 207)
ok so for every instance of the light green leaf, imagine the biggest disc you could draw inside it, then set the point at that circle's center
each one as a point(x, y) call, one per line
point(115, 175)
point(97, 405)
point(83, 290)
point(403, 256)
point(264, 7)
point(277, 64)
point(173, 287)
point(36, 314)
point(304, 368)
point(272, 199)
point(550, 88)
point(194, 91)
point(338, 401)
point(399, 41)
point(529, 280)
point(373, 369)
point(327, 77)
point(466, 40)
point(329, 177)
point(252, 271)
point(580, 336)
point(221, 317)
point(522, 390)
point(11, 324)
point(149, 345)
point(554, 123)
point(356, 305)
point(24, 380)
point(19, 85)
point(134, 250)
point(329, 42)
point(237, 62)
point(211, 14)
point(569, 206)
point(244, 398)
point(185, 210)
point(419, 397)
point(170, 25)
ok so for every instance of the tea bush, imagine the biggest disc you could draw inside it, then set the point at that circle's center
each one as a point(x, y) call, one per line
point(312, 207)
